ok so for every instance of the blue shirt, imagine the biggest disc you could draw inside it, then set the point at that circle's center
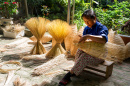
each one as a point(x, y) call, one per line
point(97, 29)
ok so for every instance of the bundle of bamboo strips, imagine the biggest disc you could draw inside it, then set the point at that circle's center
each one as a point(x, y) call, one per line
point(38, 27)
point(59, 30)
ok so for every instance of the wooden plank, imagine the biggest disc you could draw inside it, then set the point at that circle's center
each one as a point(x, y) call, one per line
point(96, 69)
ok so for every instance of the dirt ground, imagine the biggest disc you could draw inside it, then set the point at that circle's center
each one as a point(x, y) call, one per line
point(16, 49)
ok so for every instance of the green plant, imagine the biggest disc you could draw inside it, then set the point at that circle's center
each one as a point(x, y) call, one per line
point(8, 8)
point(45, 10)
point(115, 16)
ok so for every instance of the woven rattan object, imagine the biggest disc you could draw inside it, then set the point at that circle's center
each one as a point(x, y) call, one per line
point(107, 51)
point(113, 37)
point(80, 32)
point(69, 39)
point(38, 27)
point(58, 29)
point(127, 50)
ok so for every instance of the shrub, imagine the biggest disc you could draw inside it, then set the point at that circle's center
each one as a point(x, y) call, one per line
point(8, 8)
point(115, 16)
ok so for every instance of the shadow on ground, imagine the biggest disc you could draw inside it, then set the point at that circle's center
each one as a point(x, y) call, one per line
point(84, 79)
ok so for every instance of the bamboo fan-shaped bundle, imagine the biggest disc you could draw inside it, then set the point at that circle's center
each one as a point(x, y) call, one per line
point(38, 27)
point(69, 39)
point(59, 30)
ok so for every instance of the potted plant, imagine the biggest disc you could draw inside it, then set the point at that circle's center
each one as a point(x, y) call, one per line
point(7, 9)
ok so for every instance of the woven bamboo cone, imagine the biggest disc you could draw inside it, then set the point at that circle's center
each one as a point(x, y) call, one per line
point(59, 30)
point(69, 39)
point(38, 27)
point(73, 46)
point(113, 37)
point(80, 32)
point(107, 51)
point(127, 50)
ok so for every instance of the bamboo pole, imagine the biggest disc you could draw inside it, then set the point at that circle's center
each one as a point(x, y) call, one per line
point(73, 11)
point(68, 14)
point(26, 7)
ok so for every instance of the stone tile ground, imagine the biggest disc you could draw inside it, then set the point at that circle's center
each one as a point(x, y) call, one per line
point(120, 75)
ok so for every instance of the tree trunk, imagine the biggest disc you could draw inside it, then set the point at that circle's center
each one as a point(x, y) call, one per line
point(68, 14)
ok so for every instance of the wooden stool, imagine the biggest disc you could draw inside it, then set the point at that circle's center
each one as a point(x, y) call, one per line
point(107, 72)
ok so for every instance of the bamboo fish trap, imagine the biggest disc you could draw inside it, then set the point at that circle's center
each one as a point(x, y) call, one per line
point(69, 39)
point(59, 30)
point(69, 44)
point(113, 37)
point(109, 51)
point(38, 27)
point(127, 50)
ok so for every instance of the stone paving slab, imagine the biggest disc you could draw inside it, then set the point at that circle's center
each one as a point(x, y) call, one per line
point(120, 75)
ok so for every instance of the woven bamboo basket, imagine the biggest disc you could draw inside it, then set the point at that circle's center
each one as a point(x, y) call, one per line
point(113, 37)
point(127, 50)
point(69, 39)
point(107, 51)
